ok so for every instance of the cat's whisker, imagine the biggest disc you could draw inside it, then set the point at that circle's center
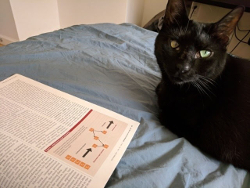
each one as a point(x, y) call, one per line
point(199, 88)
point(194, 84)
point(202, 89)
point(205, 86)
point(208, 80)
point(204, 83)
point(200, 92)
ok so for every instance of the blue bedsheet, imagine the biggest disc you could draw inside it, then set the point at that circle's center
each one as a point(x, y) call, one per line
point(114, 66)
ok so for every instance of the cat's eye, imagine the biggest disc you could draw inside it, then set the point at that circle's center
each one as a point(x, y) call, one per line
point(205, 53)
point(174, 44)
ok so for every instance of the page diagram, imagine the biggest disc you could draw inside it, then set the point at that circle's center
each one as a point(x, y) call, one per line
point(87, 145)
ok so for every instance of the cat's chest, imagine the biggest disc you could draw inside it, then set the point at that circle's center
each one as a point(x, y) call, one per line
point(186, 105)
point(181, 109)
point(183, 99)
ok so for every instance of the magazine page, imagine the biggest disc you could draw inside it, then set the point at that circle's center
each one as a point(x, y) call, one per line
point(52, 139)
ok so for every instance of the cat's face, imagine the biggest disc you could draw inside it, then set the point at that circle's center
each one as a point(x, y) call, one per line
point(187, 54)
point(187, 51)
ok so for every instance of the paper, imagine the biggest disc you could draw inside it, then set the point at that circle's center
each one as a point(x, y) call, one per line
point(51, 139)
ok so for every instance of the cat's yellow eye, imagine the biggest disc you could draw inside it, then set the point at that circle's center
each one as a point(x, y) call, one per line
point(205, 53)
point(174, 44)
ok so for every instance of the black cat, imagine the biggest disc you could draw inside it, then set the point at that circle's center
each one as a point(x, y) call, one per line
point(204, 93)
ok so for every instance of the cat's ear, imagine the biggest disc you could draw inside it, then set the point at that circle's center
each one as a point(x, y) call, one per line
point(175, 13)
point(225, 27)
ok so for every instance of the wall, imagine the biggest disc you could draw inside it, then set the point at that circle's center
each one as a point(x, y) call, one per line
point(33, 17)
point(208, 13)
point(151, 8)
point(134, 12)
point(8, 32)
point(112, 11)
point(26, 18)
point(75, 12)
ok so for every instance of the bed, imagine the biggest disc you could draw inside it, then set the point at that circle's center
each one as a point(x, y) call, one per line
point(114, 66)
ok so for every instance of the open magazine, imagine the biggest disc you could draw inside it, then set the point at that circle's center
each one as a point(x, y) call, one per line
point(49, 138)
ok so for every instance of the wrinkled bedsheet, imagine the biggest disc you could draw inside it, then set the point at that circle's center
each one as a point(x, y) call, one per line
point(114, 66)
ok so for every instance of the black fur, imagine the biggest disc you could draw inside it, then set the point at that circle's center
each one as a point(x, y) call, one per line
point(205, 100)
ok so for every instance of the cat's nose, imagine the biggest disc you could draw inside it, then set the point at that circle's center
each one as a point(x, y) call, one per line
point(184, 68)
